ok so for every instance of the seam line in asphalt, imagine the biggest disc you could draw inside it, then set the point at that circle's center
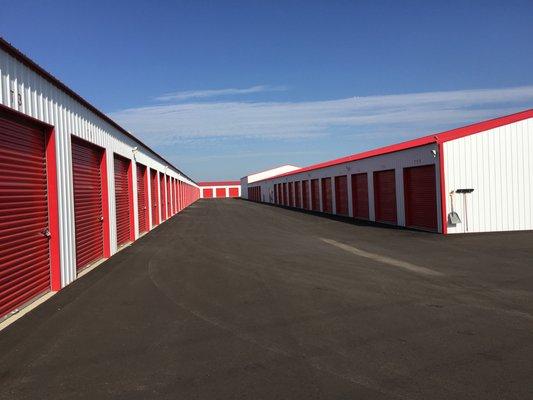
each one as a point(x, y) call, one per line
point(383, 259)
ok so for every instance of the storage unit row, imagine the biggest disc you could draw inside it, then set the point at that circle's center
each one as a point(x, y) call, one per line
point(74, 186)
point(472, 179)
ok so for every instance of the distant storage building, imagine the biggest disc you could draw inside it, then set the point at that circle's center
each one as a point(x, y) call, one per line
point(478, 178)
point(220, 189)
point(74, 186)
point(251, 191)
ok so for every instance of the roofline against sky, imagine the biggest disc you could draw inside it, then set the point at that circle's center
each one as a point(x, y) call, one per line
point(440, 137)
point(21, 57)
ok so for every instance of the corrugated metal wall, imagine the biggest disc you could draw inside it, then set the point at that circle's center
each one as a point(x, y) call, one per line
point(498, 165)
point(24, 90)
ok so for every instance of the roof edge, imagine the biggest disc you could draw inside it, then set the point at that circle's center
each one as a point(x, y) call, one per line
point(219, 183)
point(28, 62)
point(441, 137)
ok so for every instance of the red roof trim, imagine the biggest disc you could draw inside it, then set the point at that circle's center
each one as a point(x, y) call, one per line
point(435, 138)
point(21, 57)
point(220, 183)
point(457, 133)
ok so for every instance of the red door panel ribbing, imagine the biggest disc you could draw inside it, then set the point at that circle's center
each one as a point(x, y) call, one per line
point(88, 209)
point(341, 195)
point(233, 192)
point(360, 195)
point(285, 203)
point(154, 197)
point(122, 200)
point(420, 193)
point(385, 196)
point(142, 205)
point(24, 250)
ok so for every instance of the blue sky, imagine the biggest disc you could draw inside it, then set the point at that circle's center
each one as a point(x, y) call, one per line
point(224, 88)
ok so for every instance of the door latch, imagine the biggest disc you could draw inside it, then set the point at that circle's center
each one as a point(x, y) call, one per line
point(101, 218)
point(46, 233)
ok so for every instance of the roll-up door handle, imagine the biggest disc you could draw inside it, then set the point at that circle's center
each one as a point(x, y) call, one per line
point(101, 218)
point(46, 233)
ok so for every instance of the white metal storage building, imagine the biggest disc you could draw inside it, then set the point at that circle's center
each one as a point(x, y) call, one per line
point(477, 178)
point(219, 189)
point(75, 186)
point(246, 181)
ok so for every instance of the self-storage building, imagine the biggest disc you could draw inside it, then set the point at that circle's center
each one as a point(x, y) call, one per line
point(75, 186)
point(219, 189)
point(251, 191)
point(476, 178)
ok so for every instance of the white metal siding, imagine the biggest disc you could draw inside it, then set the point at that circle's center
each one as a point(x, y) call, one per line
point(247, 180)
point(498, 165)
point(24, 90)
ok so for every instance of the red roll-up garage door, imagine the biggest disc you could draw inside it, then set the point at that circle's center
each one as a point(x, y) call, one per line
point(221, 192)
point(168, 197)
point(88, 211)
point(298, 194)
point(385, 196)
point(284, 194)
point(291, 194)
point(154, 198)
point(420, 192)
point(207, 193)
point(122, 200)
point(175, 188)
point(305, 194)
point(163, 197)
point(24, 250)
point(360, 195)
point(233, 192)
point(142, 206)
point(326, 195)
point(341, 195)
point(315, 195)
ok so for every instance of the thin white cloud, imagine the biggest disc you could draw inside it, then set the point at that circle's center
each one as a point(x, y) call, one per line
point(202, 94)
point(398, 114)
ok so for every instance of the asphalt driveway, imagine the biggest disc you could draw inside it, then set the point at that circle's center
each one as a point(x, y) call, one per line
point(236, 300)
